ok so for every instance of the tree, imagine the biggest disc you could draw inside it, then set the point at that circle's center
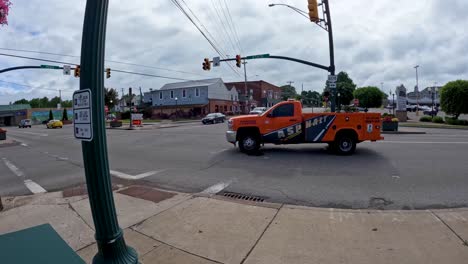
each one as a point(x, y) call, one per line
point(51, 115)
point(288, 91)
point(110, 97)
point(35, 103)
point(54, 102)
point(344, 86)
point(64, 115)
point(22, 101)
point(454, 97)
point(67, 103)
point(369, 96)
point(4, 9)
point(44, 102)
point(310, 98)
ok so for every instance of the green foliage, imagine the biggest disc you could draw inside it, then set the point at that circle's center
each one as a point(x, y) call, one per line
point(457, 122)
point(65, 114)
point(453, 98)
point(110, 97)
point(44, 102)
point(22, 101)
point(311, 98)
point(51, 115)
point(288, 91)
point(345, 86)
point(425, 119)
point(369, 96)
point(437, 119)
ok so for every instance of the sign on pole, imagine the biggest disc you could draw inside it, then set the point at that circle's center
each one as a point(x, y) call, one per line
point(66, 69)
point(82, 119)
point(332, 78)
point(216, 61)
point(332, 84)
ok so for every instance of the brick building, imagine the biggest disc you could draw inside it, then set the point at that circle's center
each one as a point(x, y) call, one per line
point(259, 93)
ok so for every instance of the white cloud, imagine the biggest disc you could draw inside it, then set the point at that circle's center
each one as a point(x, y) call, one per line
point(375, 41)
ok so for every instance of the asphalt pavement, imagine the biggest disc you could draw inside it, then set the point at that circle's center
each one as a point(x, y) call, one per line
point(401, 172)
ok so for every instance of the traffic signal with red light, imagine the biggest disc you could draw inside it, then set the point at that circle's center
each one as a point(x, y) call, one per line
point(313, 11)
point(77, 71)
point(238, 61)
point(108, 73)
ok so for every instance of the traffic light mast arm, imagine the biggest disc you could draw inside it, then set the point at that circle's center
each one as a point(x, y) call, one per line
point(316, 65)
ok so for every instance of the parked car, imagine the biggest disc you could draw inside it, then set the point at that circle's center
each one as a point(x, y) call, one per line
point(430, 112)
point(258, 110)
point(411, 108)
point(54, 124)
point(424, 108)
point(25, 123)
point(214, 118)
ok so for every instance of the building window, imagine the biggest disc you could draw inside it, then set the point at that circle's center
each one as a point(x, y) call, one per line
point(236, 97)
point(225, 108)
point(230, 108)
point(197, 92)
point(160, 95)
point(172, 94)
point(184, 93)
point(232, 97)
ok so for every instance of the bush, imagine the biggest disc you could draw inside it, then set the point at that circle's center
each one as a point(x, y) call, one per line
point(457, 122)
point(425, 119)
point(437, 119)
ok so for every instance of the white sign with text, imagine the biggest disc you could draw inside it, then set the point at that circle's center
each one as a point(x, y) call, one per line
point(82, 118)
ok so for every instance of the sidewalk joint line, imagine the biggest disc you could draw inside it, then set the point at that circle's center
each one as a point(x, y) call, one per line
point(82, 219)
point(183, 250)
point(261, 235)
point(464, 242)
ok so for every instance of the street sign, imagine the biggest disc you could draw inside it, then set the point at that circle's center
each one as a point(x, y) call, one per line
point(216, 61)
point(332, 84)
point(332, 78)
point(66, 69)
point(82, 118)
point(257, 56)
point(50, 67)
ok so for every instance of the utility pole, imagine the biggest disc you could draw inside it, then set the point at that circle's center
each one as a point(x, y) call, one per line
point(109, 236)
point(417, 90)
point(247, 97)
point(332, 52)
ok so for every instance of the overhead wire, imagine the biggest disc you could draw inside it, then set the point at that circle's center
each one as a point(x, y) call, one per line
point(234, 26)
point(112, 61)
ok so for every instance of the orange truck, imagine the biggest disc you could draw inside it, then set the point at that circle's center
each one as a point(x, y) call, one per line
point(285, 123)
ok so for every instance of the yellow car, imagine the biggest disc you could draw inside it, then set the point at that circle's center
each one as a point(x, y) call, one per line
point(54, 124)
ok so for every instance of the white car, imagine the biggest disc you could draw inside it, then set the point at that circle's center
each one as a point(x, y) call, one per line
point(258, 110)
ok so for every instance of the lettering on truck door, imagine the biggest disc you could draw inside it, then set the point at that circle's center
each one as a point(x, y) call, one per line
point(282, 126)
point(317, 127)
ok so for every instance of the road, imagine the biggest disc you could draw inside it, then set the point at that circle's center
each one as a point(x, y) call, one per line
point(401, 172)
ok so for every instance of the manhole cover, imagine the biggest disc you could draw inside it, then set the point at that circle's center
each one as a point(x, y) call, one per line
point(245, 197)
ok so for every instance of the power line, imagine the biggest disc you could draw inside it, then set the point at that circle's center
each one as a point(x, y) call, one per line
point(229, 24)
point(223, 26)
point(234, 26)
point(177, 4)
point(25, 85)
point(115, 70)
point(113, 61)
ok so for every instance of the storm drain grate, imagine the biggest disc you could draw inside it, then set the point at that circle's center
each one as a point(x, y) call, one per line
point(244, 197)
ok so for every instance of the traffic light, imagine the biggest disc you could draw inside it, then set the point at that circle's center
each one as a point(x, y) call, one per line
point(238, 61)
point(207, 64)
point(313, 11)
point(204, 66)
point(77, 71)
point(108, 72)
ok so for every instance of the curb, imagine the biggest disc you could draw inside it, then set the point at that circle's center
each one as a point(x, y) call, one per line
point(435, 126)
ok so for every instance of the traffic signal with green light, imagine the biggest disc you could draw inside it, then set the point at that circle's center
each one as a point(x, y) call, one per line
point(77, 71)
point(108, 73)
point(238, 61)
point(313, 11)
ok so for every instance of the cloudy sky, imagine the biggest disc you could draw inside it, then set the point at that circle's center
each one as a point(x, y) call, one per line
point(375, 42)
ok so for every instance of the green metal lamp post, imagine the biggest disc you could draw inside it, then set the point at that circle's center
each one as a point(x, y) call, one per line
point(109, 236)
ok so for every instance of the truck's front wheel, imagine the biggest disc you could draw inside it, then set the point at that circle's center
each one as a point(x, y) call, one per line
point(249, 143)
point(345, 144)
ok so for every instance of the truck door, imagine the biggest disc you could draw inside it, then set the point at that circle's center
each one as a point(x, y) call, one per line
point(283, 125)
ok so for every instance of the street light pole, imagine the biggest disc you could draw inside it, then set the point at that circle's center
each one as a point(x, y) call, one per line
point(109, 236)
point(176, 108)
point(331, 49)
point(417, 90)
point(247, 98)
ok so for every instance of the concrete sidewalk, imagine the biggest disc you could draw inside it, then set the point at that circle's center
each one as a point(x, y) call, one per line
point(168, 227)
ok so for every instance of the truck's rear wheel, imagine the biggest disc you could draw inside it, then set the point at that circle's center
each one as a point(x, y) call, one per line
point(345, 144)
point(249, 143)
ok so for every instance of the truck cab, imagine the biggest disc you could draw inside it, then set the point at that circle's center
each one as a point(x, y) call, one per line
point(285, 123)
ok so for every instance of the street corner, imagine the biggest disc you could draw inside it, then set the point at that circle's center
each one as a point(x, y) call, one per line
point(217, 230)
point(9, 143)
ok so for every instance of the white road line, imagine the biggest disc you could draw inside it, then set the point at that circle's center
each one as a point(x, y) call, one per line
point(133, 177)
point(24, 144)
point(33, 133)
point(424, 142)
point(217, 152)
point(214, 189)
point(34, 187)
point(13, 168)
